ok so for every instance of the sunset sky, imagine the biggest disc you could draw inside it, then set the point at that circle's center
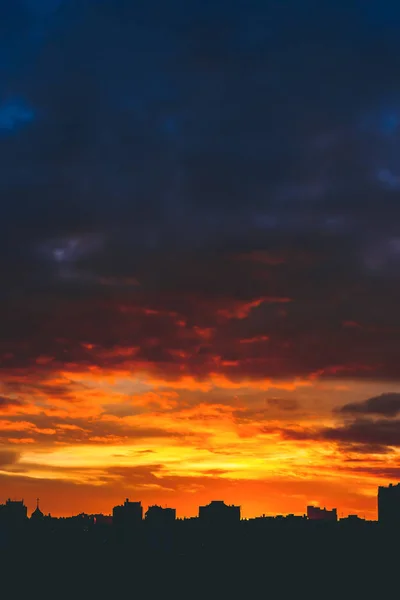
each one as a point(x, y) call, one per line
point(199, 253)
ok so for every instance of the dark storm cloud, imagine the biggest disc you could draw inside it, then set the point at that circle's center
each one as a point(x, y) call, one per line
point(366, 449)
point(8, 402)
point(146, 146)
point(222, 102)
point(361, 435)
point(360, 431)
point(385, 405)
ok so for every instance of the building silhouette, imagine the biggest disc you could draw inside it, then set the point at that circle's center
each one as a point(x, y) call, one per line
point(218, 513)
point(389, 505)
point(352, 519)
point(128, 515)
point(314, 513)
point(13, 513)
point(102, 520)
point(37, 514)
point(161, 526)
point(156, 515)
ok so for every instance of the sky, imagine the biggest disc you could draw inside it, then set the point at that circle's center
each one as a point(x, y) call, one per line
point(199, 253)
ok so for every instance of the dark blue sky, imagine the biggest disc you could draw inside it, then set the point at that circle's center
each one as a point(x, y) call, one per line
point(153, 141)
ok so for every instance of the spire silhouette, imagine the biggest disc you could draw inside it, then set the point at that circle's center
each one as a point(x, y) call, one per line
point(37, 513)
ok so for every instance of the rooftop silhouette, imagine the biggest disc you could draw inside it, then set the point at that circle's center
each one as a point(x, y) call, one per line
point(216, 545)
point(389, 505)
point(129, 517)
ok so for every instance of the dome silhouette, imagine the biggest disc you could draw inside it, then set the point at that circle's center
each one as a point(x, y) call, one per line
point(37, 513)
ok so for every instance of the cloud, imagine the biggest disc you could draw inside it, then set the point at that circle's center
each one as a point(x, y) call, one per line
point(255, 340)
point(386, 405)
point(384, 471)
point(362, 436)
point(241, 310)
point(176, 333)
point(360, 431)
point(157, 234)
point(367, 450)
point(8, 458)
point(122, 427)
point(194, 236)
point(9, 403)
point(285, 404)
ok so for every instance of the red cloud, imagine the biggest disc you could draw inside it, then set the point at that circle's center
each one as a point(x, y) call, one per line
point(255, 340)
point(241, 310)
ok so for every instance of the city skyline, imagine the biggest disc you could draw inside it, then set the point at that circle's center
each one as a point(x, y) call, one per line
point(311, 512)
point(388, 505)
point(199, 253)
point(38, 506)
point(155, 549)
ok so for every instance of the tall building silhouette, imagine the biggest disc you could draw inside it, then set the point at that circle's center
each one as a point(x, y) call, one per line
point(129, 515)
point(13, 514)
point(219, 513)
point(156, 515)
point(389, 504)
point(314, 513)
